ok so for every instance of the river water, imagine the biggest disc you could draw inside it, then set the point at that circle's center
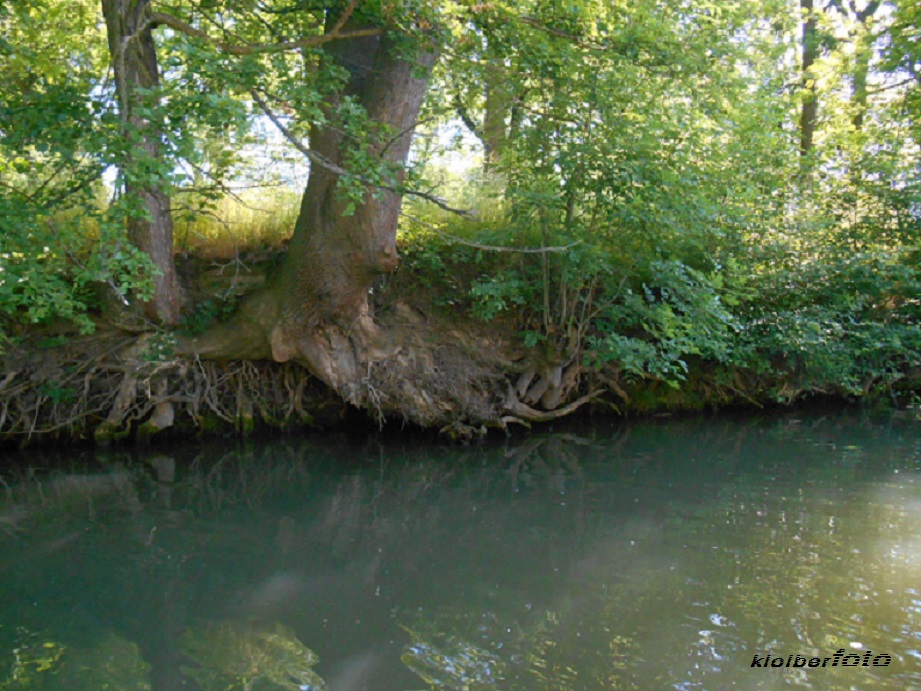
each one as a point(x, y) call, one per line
point(651, 555)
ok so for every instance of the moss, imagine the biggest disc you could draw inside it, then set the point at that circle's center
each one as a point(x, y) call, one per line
point(106, 433)
point(145, 432)
point(245, 424)
point(209, 423)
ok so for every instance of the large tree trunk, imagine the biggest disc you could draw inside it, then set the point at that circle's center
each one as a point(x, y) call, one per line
point(334, 258)
point(134, 57)
point(316, 311)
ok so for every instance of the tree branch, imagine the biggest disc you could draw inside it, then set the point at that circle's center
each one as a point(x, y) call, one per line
point(892, 86)
point(159, 18)
point(345, 17)
point(493, 248)
point(462, 113)
point(332, 167)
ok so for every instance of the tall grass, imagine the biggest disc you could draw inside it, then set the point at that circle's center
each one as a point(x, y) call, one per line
point(253, 219)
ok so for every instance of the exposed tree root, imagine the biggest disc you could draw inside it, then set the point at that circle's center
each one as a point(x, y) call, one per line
point(521, 413)
point(406, 365)
point(132, 387)
point(409, 368)
point(116, 386)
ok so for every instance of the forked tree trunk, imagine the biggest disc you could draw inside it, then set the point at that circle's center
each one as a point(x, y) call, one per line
point(315, 311)
point(134, 57)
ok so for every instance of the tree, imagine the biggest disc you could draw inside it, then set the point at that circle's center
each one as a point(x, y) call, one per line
point(137, 79)
point(486, 92)
point(647, 152)
point(596, 156)
point(317, 311)
point(810, 105)
point(340, 248)
point(57, 240)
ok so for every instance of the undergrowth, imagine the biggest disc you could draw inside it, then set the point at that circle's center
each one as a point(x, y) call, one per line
point(774, 317)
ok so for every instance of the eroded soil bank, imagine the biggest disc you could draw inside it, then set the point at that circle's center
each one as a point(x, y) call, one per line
point(117, 387)
point(440, 370)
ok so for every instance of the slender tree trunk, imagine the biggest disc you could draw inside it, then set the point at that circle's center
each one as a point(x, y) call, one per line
point(497, 106)
point(861, 72)
point(501, 110)
point(134, 56)
point(864, 47)
point(810, 107)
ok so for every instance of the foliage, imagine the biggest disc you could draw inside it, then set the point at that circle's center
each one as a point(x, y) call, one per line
point(58, 239)
point(690, 234)
point(642, 204)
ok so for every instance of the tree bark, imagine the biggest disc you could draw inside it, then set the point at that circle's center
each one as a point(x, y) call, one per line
point(134, 57)
point(316, 312)
point(334, 258)
point(810, 107)
point(864, 49)
point(498, 103)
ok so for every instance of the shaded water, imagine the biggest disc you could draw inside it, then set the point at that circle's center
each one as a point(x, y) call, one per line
point(654, 555)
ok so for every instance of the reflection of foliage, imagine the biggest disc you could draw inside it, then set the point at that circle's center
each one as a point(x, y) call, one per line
point(114, 664)
point(240, 656)
point(478, 651)
point(452, 662)
point(32, 658)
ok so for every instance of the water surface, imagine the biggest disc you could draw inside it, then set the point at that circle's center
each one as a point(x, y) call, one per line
point(652, 555)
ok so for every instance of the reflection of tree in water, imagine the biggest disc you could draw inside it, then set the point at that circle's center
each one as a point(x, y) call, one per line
point(115, 552)
point(224, 656)
point(406, 525)
point(550, 459)
point(560, 562)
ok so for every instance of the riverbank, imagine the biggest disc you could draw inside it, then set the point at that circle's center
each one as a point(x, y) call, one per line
point(472, 346)
point(114, 387)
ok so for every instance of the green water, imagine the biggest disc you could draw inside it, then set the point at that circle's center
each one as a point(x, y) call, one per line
point(654, 555)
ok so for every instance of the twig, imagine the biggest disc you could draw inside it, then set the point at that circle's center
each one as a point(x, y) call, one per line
point(492, 248)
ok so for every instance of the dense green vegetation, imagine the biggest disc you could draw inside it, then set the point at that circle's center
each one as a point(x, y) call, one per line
point(660, 191)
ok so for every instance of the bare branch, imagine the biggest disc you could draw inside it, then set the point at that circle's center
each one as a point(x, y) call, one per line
point(892, 86)
point(325, 163)
point(531, 21)
point(311, 155)
point(440, 202)
point(462, 113)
